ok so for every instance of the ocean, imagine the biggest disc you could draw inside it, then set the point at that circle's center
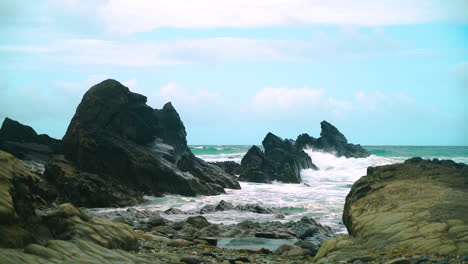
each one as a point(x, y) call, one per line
point(321, 195)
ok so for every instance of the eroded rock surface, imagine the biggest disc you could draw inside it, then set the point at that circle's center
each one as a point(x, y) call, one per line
point(417, 206)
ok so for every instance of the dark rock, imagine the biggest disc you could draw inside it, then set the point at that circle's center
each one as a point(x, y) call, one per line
point(224, 206)
point(173, 211)
point(24, 143)
point(115, 135)
point(86, 189)
point(191, 260)
point(221, 206)
point(230, 167)
point(282, 161)
point(256, 208)
point(198, 221)
point(209, 208)
point(331, 140)
point(307, 245)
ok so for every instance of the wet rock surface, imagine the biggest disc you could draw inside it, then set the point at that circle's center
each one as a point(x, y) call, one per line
point(281, 161)
point(419, 206)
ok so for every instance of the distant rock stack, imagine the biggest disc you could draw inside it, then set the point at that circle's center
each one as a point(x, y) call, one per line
point(331, 140)
point(282, 161)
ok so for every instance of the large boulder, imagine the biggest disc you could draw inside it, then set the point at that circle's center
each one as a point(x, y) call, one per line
point(281, 161)
point(115, 135)
point(416, 206)
point(331, 140)
point(24, 143)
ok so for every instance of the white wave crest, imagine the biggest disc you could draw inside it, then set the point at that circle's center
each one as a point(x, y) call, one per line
point(340, 169)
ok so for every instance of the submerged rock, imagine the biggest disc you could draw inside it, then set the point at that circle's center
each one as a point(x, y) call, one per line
point(416, 206)
point(281, 161)
point(115, 135)
point(333, 141)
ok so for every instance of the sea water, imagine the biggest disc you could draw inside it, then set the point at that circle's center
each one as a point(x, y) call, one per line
point(321, 195)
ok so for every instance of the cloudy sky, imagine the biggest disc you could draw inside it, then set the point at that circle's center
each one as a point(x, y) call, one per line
point(384, 72)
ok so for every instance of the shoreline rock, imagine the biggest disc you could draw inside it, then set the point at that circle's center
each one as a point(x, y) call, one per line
point(415, 206)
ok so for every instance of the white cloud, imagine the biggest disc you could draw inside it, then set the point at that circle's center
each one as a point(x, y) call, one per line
point(345, 45)
point(377, 100)
point(181, 96)
point(281, 99)
point(142, 16)
point(132, 84)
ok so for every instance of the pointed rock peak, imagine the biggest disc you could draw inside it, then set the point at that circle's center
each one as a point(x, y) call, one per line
point(253, 151)
point(329, 131)
point(270, 137)
point(168, 107)
point(15, 131)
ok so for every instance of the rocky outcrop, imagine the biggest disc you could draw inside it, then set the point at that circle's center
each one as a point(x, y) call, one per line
point(282, 161)
point(86, 189)
point(33, 233)
point(24, 143)
point(230, 167)
point(115, 135)
point(417, 206)
point(331, 140)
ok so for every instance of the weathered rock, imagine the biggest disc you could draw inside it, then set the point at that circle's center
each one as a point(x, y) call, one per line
point(115, 135)
point(282, 161)
point(75, 251)
point(291, 250)
point(179, 243)
point(68, 222)
point(331, 140)
point(230, 167)
point(87, 189)
point(17, 203)
point(24, 143)
point(419, 205)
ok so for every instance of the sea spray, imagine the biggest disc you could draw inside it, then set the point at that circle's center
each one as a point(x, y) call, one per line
point(321, 195)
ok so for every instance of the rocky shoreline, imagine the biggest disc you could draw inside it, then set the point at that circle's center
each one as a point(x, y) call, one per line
point(118, 149)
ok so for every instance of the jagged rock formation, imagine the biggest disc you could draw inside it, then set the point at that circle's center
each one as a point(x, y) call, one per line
point(417, 206)
point(115, 135)
point(331, 140)
point(281, 161)
point(24, 143)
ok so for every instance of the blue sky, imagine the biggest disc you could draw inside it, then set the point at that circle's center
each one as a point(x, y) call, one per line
point(384, 72)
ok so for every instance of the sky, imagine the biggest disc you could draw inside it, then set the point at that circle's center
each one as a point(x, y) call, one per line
point(390, 72)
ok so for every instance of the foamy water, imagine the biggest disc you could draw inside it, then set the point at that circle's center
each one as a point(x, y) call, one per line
point(321, 195)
